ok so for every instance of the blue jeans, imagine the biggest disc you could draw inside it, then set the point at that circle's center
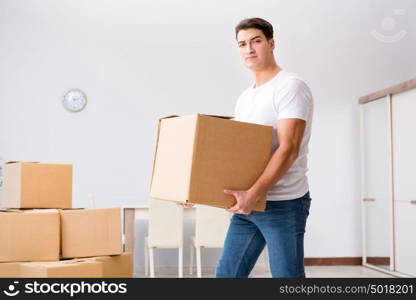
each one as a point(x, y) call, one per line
point(281, 227)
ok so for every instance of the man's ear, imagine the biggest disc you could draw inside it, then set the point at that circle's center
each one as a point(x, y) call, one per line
point(272, 45)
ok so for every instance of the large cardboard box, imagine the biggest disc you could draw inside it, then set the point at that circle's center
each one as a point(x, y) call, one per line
point(198, 156)
point(10, 270)
point(61, 269)
point(37, 185)
point(91, 232)
point(29, 235)
point(114, 266)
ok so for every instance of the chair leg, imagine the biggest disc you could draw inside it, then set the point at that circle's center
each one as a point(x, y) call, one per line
point(180, 262)
point(191, 258)
point(152, 262)
point(146, 257)
point(198, 262)
point(266, 259)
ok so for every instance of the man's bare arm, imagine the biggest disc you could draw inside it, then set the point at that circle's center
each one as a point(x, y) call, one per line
point(290, 134)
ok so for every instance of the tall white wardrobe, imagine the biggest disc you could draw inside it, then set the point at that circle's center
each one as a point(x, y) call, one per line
point(388, 181)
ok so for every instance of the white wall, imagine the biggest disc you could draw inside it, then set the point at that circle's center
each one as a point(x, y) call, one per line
point(139, 60)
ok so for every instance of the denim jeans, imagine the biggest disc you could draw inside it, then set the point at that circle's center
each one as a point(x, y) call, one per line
point(281, 227)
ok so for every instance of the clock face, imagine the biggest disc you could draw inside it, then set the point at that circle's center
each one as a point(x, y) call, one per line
point(74, 100)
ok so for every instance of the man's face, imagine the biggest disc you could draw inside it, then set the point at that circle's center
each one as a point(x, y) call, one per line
point(255, 50)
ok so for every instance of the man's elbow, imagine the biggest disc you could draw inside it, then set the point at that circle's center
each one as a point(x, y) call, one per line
point(293, 155)
point(290, 151)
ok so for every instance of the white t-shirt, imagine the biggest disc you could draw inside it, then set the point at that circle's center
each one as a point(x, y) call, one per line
point(284, 96)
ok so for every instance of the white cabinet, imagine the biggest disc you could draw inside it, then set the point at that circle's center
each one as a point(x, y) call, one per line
point(375, 188)
point(403, 117)
point(388, 190)
point(405, 237)
point(403, 110)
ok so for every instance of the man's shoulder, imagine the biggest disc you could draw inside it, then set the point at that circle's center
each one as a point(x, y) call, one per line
point(292, 81)
point(292, 78)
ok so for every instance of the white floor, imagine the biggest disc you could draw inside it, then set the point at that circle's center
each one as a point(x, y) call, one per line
point(260, 272)
point(343, 271)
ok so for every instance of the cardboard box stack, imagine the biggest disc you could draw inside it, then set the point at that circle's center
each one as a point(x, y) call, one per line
point(41, 235)
point(198, 156)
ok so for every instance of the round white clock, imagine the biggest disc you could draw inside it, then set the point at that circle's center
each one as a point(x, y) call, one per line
point(74, 100)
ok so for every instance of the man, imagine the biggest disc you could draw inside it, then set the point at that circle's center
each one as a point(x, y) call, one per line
point(280, 99)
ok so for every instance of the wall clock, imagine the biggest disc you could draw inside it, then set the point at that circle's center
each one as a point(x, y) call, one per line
point(74, 100)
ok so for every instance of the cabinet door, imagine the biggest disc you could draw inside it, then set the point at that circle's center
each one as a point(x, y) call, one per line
point(404, 237)
point(404, 145)
point(376, 186)
point(404, 180)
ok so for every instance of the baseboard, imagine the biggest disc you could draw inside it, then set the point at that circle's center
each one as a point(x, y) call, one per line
point(333, 261)
point(379, 261)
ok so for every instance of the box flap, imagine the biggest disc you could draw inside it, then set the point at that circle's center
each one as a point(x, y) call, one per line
point(21, 162)
point(216, 116)
point(168, 117)
point(11, 210)
point(42, 210)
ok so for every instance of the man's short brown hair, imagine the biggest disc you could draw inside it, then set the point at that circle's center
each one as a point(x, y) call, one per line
point(257, 23)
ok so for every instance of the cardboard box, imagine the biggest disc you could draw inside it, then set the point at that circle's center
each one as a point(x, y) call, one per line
point(61, 269)
point(91, 232)
point(115, 266)
point(37, 185)
point(29, 235)
point(10, 270)
point(198, 156)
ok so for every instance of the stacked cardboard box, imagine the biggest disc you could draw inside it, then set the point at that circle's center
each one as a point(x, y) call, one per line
point(61, 269)
point(40, 231)
point(29, 235)
point(91, 232)
point(116, 266)
point(36, 185)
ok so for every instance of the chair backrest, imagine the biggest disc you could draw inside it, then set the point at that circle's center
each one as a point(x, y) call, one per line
point(165, 224)
point(211, 225)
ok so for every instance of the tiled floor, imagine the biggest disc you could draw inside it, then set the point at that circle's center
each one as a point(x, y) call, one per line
point(311, 271)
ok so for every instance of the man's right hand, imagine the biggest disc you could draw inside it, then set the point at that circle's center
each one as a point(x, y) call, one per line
point(185, 205)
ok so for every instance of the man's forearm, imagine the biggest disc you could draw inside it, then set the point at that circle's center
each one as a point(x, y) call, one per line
point(278, 165)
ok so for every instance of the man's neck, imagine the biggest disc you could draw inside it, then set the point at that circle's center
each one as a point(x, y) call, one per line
point(264, 75)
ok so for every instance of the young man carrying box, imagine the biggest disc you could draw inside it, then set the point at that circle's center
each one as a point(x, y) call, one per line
point(280, 99)
point(283, 100)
